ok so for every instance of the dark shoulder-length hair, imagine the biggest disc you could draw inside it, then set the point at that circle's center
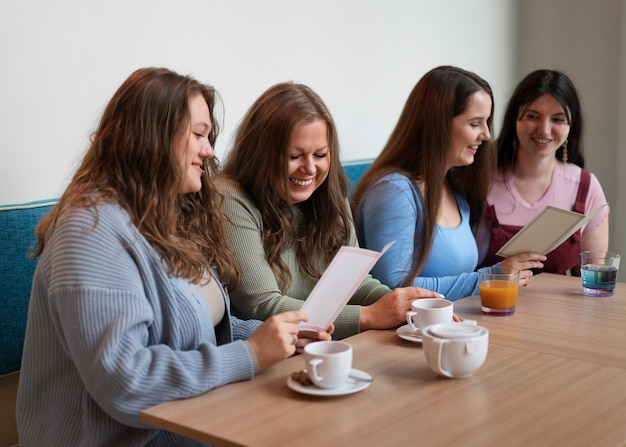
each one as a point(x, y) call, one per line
point(418, 148)
point(259, 162)
point(536, 84)
point(133, 160)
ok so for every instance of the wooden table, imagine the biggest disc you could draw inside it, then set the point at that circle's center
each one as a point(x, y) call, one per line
point(555, 375)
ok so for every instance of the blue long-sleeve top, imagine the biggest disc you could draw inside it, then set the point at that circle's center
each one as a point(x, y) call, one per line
point(392, 209)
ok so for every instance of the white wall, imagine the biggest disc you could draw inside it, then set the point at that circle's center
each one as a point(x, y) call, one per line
point(62, 61)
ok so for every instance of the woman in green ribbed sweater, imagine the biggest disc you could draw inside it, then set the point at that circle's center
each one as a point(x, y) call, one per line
point(285, 196)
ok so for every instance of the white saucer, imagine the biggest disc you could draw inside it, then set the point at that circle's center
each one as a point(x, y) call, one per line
point(352, 385)
point(406, 333)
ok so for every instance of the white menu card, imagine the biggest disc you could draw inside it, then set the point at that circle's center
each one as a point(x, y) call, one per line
point(546, 231)
point(338, 283)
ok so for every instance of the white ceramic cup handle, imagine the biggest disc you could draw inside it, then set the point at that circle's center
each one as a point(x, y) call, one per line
point(409, 319)
point(313, 366)
point(436, 356)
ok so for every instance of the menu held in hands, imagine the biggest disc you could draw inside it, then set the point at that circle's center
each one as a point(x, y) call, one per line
point(546, 231)
point(338, 283)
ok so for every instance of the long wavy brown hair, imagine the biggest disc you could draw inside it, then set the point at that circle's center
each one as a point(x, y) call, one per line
point(418, 148)
point(259, 161)
point(133, 161)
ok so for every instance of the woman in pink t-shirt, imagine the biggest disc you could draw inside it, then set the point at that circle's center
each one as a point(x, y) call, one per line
point(540, 163)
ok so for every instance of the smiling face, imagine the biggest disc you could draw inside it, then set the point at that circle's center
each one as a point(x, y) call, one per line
point(309, 160)
point(469, 130)
point(543, 128)
point(194, 146)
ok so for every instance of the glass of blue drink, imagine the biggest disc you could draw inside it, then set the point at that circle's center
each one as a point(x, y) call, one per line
point(598, 270)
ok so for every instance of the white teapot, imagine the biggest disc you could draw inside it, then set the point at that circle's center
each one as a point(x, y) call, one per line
point(455, 350)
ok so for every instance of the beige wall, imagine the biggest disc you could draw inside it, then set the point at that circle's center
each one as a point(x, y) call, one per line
point(619, 221)
point(587, 40)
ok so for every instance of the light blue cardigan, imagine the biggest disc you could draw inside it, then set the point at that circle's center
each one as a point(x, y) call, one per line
point(109, 333)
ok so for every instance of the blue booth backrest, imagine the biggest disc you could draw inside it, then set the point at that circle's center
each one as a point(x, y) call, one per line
point(17, 241)
point(354, 170)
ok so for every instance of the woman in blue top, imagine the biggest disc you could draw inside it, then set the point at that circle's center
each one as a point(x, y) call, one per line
point(427, 187)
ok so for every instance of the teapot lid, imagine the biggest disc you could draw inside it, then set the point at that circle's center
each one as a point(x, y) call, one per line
point(455, 330)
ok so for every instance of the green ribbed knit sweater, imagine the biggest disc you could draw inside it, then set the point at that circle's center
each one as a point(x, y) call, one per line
point(259, 295)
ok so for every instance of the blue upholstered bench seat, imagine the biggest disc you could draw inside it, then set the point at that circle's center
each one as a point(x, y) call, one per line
point(17, 239)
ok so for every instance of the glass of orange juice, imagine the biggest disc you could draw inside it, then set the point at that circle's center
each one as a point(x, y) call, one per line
point(498, 290)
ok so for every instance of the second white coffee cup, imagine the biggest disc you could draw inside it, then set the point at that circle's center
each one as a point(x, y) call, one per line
point(429, 311)
point(328, 363)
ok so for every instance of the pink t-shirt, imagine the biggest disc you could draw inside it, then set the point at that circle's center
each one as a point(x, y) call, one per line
point(511, 209)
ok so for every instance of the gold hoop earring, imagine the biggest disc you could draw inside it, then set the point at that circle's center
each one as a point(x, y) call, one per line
point(564, 157)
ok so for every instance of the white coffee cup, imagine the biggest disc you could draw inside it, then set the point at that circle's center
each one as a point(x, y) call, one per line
point(455, 350)
point(428, 311)
point(328, 363)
